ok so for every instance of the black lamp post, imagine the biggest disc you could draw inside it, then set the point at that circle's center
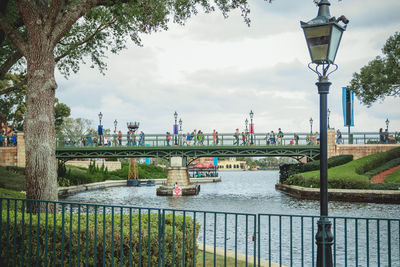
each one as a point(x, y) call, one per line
point(100, 129)
point(246, 123)
point(387, 125)
point(329, 113)
point(251, 127)
point(311, 121)
point(180, 125)
point(176, 128)
point(180, 132)
point(115, 131)
point(323, 35)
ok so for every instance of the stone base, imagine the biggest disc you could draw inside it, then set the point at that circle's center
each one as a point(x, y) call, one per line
point(187, 190)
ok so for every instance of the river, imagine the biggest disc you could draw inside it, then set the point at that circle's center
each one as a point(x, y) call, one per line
point(254, 193)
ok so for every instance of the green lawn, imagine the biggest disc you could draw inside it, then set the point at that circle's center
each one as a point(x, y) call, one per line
point(11, 180)
point(394, 177)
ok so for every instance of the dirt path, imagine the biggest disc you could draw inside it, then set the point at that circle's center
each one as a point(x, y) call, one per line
point(380, 178)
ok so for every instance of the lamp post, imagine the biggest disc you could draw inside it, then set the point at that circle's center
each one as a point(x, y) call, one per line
point(251, 127)
point(311, 121)
point(100, 129)
point(387, 125)
point(329, 113)
point(176, 128)
point(180, 132)
point(323, 35)
point(246, 123)
point(115, 131)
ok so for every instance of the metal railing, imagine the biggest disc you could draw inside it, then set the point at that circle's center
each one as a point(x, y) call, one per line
point(223, 139)
point(47, 233)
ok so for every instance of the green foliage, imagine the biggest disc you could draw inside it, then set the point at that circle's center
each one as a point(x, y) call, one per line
point(384, 186)
point(287, 170)
point(73, 231)
point(388, 165)
point(381, 77)
point(376, 160)
point(348, 176)
point(11, 194)
point(146, 171)
point(394, 178)
point(11, 180)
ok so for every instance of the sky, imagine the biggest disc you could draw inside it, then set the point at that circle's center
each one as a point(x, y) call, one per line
point(213, 71)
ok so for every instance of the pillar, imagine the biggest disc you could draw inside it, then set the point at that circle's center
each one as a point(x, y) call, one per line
point(331, 143)
point(20, 150)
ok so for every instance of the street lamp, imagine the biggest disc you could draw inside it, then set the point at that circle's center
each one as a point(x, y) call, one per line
point(251, 127)
point(115, 131)
point(100, 129)
point(180, 125)
point(246, 122)
point(176, 128)
point(387, 125)
point(323, 35)
point(329, 113)
point(311, 121)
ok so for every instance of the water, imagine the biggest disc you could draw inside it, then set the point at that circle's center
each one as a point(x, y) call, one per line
point(247, 192)
point(254, 193)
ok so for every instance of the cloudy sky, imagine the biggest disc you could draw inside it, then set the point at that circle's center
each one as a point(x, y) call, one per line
point(213, 71)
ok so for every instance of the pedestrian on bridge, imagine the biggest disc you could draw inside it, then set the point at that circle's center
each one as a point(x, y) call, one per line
point(236, 135)
point(280, 136)
point(141, 139)
point(168, 138)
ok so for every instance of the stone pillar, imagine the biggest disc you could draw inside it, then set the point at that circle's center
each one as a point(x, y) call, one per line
point(21, 150)
point(178, 174)
point(331, 143)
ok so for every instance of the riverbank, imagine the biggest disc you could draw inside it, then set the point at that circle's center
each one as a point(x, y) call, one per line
point(346, 195)
point(71, 190)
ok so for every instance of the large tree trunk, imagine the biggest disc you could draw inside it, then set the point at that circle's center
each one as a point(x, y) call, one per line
point(41, 163)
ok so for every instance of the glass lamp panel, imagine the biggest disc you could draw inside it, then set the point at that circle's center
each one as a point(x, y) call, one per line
point(336, 36)
point(318, 42)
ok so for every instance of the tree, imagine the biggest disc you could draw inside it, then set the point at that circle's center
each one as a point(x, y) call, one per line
point(37, 36)
point(75, 129)
point(381, 77)
point(13, 106)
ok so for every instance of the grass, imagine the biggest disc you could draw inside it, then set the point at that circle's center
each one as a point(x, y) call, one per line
point(394, 177)
point(11, 180)
point(219, 260)
point(351, 175)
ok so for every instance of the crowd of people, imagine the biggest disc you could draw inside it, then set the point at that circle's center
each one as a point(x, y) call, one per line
point(7, 138)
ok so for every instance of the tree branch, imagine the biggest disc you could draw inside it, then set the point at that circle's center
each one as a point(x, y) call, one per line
point(72, 46)
point(13, 88)
point(7, 65)
point(13, 35)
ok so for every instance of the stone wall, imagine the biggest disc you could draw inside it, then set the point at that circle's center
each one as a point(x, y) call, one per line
point(8, 156)
point(359, 151)
point(111, 165)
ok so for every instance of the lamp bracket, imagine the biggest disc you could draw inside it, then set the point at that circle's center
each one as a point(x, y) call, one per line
point(322, 69)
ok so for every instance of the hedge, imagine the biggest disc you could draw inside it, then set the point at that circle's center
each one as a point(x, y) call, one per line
point(287, 170)
point(388, 165)
point(32, 240)
point(394, 178)
point(378, 159)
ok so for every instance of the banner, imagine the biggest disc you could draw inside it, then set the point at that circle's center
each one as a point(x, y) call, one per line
point(251, 128)
point(348, 106)
point(175, 128)
point(215, 161)
point(147, 161)
point(100, 130)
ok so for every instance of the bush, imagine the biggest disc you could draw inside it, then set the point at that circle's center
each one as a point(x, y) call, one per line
point(287, 170)
point(382, 186)
point(63, 238)
point(146, 171)
point(378, 159)
point(388, 165)
point(15, 169)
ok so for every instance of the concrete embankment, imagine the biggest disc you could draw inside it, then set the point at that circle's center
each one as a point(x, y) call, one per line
point(240, 256)
point(71, 190)
point(347, 195)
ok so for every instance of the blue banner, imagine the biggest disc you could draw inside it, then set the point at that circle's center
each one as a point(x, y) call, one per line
point(147, 161)
point(348, 106)
point(215, 161)
point(100, 129)
point(175, 128)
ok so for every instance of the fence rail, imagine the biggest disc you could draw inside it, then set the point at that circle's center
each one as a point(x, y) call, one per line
point(47, 233)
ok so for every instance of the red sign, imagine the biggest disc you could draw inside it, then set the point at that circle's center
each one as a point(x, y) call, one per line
point(251, 128)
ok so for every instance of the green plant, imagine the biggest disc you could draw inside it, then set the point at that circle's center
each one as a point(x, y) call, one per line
point(388, 165)
point(375, 160)
point(383, 186)
point(394, 177)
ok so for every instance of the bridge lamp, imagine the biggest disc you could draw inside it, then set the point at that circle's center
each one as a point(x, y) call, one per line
point(176, 128)
point(311, 121)
point(246, 122)
point(115, 125)
point(180, 125)
point(100, 117)
point(251, 127)
point(387, 124)
point(323, 35)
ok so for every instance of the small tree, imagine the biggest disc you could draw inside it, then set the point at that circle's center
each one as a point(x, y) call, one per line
point(381, 77)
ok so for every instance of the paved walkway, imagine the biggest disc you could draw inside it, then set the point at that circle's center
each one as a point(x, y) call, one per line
point(380, 178)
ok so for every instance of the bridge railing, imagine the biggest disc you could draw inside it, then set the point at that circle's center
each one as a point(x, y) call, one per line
point(48, 233)
point(207, 139)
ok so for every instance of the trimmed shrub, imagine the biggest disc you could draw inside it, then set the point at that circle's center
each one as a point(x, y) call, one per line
point(146, 171)
point(378, 159)
point(394, 177)
point(388, 165)
point(382, 186)
point(69, 241)
point(15, 169)
point(287, 170)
